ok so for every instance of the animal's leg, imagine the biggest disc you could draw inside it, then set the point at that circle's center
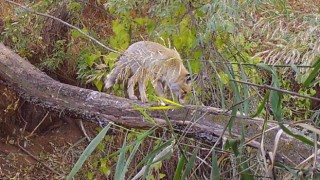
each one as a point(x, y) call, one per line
point(111, 78)
point(142, 89)
point(158, 86)
point(131, 83)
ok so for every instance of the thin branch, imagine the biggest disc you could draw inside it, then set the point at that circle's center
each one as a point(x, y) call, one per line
point(250, 64)
point(276, 89)
point(213, 147)
point(37, 159)
point(63, 22)
point(84, 130)
point(38, 124)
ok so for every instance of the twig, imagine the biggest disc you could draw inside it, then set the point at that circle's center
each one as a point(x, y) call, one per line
point(37, 159)
point(63, 22)
point(213, 147)
point(84, 131)
point(38, 125)
point(276, 89)
point(249, 64)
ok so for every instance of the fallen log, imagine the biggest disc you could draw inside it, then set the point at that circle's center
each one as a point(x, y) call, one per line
point(199, 122)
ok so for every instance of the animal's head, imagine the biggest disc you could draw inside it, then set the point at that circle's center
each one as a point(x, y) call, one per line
point(182, 86)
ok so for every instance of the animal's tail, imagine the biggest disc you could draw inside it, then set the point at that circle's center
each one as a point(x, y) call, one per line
point(111, 78)
point(121, 72)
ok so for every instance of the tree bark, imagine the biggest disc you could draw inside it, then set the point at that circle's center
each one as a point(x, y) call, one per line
point(200, 122)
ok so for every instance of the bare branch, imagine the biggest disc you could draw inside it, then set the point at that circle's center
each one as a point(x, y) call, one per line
point(276, 89)
point(63, 22)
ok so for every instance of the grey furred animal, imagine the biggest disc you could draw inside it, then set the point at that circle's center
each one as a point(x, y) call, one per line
point(146, 60)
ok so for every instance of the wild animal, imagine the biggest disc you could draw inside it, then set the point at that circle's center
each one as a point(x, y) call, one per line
point(146, 60)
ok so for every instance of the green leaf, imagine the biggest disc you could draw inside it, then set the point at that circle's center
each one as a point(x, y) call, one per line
point(151, 160)
point(161, 175)
point(110, 59)
point(141, 110)
point(118, 27)
point(195, 65)
point(297, 136)
point(316, 68)
point(190, 164)
point(224, 77)
point(178, 172)
point(246, 172)
point(150, 27)
point(74, 6)
point(75, 33)
point(215, 168)
point(232, 118)
point(234, 145)
point(255, 60)
point(91, 58)
point(245, 91)
point(170, 102)
point(295, 69)
point(158, 108)
point(156, 151)
point(98, 84)
point(86, 153)
point(265, 67)
point(142, 21)
point(261, 106)
point(276, 97)
point(140, 139)
point(314, 82)
point(292, 171)
point(120, 172)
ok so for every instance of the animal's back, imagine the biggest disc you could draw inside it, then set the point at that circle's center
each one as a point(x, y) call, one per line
point(150, 55)
point(146, 60)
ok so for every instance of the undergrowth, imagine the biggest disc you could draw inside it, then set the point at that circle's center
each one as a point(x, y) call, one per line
point(224, 43)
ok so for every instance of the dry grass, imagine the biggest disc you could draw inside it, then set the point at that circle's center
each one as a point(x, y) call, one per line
point(288, 37)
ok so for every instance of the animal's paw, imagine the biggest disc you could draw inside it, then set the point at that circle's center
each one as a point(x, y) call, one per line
point(107, 85)
point(144, 100)
point(133, 97)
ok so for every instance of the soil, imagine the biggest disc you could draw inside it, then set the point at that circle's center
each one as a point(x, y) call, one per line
point(34, 147)
point(41, 156)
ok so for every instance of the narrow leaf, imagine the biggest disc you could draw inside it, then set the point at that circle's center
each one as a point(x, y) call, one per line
point(190, 164)
point(178, 172)
point(86, 153)
point(157, 108)
point(313, 74)
point(119, 173)
point(170, 102)
point(297, 136)
point(261, 106)
point(156, 151)
point(135, 149)
point(143, 113)
point(215, 168)
point(265, 67)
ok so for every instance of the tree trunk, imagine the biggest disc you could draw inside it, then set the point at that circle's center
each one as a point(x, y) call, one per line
point(200, 122)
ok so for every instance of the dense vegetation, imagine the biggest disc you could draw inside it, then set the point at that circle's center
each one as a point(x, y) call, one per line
point(242, 53)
